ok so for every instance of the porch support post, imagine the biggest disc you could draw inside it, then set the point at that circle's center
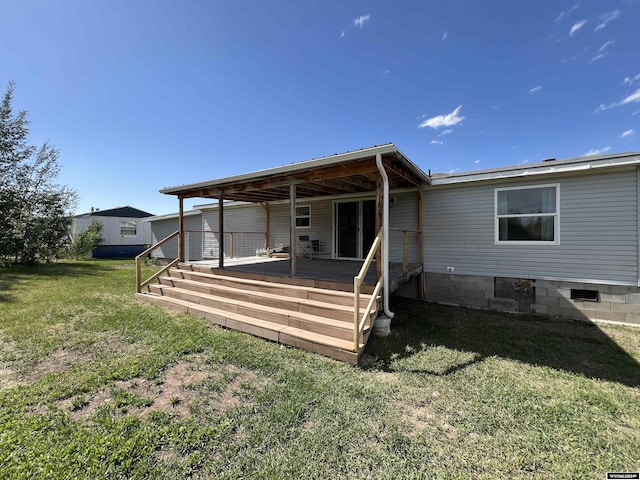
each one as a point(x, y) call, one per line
point(181, 245)
point(221, 231)
point(267, 221)
point(378, 224)
point(420, 241)
point(292, 230)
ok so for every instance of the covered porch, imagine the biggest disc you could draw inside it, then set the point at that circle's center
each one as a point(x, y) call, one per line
point(358, 258)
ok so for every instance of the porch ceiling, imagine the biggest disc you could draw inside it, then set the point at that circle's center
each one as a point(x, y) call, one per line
point(349, 173)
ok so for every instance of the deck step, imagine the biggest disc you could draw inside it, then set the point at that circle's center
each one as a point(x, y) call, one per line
point(305, 321)
point(332, 285)
point(330, 346)
point(311, 314)
point(310, 293)
point(314, 307)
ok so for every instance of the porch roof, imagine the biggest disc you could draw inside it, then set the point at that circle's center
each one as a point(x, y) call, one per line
point(344, 173)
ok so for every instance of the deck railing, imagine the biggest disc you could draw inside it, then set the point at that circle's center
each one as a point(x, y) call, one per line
point(404, 251)
point(236, 244)
point(359, 322)
point(139, 283)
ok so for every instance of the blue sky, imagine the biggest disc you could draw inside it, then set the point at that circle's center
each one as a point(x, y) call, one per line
point(140, 95)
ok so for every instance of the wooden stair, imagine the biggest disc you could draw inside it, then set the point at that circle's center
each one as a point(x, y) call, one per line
point(303, 313)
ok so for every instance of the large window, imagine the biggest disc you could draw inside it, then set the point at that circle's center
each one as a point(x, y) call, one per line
point(128, 229)
point(303, 216)
point(527, 215)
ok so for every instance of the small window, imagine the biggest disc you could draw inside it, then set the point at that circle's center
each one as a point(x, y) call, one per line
point(527, 215)
point(128, 229)
point(585, 295)
point(303, 216)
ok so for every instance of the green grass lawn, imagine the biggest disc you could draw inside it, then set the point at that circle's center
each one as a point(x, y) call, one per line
point(94, 384)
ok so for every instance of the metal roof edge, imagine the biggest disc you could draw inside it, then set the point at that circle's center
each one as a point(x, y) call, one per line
point(293, 167)
point(168, 216)
point(545, 168)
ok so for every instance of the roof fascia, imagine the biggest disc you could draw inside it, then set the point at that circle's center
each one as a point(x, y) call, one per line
point(538, 170)
point(292, 168)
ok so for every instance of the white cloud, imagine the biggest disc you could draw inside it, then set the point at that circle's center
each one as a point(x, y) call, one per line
point(606, 18)
point(633, 98)
point(476, 161)
point(596, 151)
point(535, 89)
point(446, 131)
point(577, 26)
point(448, 120)
point(453, 170)
point(628, 133)
point(436, 142)
point(567, 13)
point(526, 160)
point(631, 80)
point(603, 50)
point(445, 35)
point(360, 21)
point(606, 45)
point(342, 34)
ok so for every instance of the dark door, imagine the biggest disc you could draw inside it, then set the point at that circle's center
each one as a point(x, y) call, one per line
point(368, 225)
point(347, 229)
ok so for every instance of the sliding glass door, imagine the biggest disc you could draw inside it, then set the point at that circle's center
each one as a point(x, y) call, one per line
point(354, 228)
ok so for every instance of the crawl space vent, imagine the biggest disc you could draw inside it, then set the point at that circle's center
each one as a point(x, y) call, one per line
point(585, 295)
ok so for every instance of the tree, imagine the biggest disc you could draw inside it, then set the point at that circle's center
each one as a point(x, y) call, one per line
point(35, 212)
point(87, 241)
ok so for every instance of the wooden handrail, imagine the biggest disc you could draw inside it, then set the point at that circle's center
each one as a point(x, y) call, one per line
point(139, 283)
point(359, 322)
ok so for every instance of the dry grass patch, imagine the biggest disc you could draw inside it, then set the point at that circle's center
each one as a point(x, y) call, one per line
point(187, 386)
point(8, 374)
point(229, 397)
point(57, 362)
point(140, 396)
point(13, 372)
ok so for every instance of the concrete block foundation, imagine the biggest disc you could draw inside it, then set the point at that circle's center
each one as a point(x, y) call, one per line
point(610, 303)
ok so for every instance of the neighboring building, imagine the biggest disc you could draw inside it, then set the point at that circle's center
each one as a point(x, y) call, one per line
point(124, 233)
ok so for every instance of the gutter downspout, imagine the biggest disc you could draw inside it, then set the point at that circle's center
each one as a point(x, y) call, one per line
point(385, 236)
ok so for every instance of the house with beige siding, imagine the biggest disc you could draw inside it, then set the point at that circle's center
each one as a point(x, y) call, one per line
point(559, 237)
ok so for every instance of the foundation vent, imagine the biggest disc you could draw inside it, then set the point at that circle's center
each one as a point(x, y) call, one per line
point(585, 295)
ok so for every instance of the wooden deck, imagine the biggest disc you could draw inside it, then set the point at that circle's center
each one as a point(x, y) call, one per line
point(314, 312)
point(328, 270)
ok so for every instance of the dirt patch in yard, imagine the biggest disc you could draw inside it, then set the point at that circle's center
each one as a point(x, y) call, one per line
point(13, 373)
point(59, 361)
point(189, 385)
point(229, 397)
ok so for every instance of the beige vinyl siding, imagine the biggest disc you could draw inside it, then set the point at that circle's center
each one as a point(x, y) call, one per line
point(320, 229)
point(598, 231)
point(161, 229)
point(246, 222)
point(404, 216)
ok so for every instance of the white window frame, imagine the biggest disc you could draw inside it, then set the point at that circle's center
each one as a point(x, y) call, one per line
point(304, 227)
point(128, 223)
point(556, 224)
